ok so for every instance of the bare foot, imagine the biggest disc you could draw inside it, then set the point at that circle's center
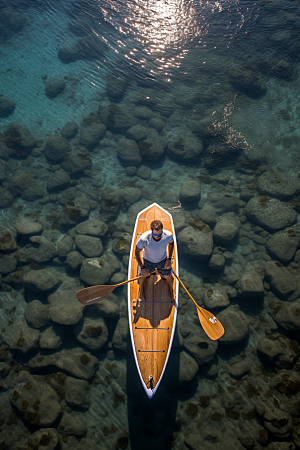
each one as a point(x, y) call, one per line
point(141, 297)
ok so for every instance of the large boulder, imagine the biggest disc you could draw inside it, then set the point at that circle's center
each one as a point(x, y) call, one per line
point(19, 139)
point(216, 297)
point(75, 210)
point(235, 324)
point(279, 350)
point(75, 362)
point(24, 184)
point(185, 147)
point(283, 282)
point(92, 332)
point(78, 162)
point(58, 180)
point(37, 314)
point(64, 306)
point(54, 87)
point(129, 153)
point(201, 347)
point(44, 439)
point(287, 314)
point(56, 148)
point(69, 130)
point(137, 133)
point(196, 244)
point(89, 246)
point(36, 400)
point(41, 250)
point(270, 213)
point(96, 271)
point(117, 119)
point(250, 285)
point(116, 86)
point(190, 191)
point(92, 227)
point(27, 227)
point(87, 48)
point(277, 184)
point(77, 393)
point(41, 280)
point(282, 246)
point(120, 337)
point(188, 368)
point(91, 134)
point(153, 147)
point(226, 229)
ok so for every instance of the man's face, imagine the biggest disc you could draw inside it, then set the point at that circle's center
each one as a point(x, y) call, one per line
point(156, 233)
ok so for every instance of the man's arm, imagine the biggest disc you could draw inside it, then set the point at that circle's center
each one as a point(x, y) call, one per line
point(168, 264)
point(140, 261)
point(138, 256)
point(170, 249)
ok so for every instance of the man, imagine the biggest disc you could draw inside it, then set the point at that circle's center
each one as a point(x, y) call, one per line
point(151, 253)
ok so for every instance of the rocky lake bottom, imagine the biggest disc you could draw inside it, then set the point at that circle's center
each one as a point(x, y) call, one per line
point(77, 164)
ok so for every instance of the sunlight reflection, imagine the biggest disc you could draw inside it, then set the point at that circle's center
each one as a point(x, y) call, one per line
point(163, 28)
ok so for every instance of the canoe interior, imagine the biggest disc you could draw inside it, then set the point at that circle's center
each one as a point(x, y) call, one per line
point(153, 321)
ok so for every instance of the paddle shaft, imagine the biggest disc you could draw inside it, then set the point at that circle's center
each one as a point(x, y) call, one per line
point(197, 306)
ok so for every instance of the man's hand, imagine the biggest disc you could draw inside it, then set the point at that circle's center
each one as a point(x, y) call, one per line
point(145, 272)
point(168, 264)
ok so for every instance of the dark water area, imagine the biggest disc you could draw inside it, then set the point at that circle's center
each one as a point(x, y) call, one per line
point(105, 108)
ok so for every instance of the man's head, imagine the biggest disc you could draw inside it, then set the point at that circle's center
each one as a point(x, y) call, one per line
point(156, 228)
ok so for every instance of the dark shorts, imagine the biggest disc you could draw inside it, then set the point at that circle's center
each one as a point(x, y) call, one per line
point(159, 266)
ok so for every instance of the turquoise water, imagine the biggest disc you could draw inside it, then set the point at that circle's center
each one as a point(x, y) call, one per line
point(206, 95)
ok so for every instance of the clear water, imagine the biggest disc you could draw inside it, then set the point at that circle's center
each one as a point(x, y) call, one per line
point(226, 72)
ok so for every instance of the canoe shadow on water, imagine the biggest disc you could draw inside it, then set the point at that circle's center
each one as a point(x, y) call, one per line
point(158, 305)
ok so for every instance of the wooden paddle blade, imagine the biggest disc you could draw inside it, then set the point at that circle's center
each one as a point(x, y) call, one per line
point(211, 325)
point(93, 294)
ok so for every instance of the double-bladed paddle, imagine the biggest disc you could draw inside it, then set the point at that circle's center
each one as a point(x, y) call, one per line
point(210, 324)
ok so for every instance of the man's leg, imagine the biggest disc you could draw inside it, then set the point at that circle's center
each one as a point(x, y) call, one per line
point(169, 280)
point(141, 293)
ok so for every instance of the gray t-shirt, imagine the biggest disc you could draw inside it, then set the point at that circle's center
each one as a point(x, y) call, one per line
point(154, 251)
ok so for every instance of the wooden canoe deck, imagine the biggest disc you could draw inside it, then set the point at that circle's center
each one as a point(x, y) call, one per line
point(153, 321)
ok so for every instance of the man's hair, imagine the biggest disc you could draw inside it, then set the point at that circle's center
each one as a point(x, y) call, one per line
point(156, 224)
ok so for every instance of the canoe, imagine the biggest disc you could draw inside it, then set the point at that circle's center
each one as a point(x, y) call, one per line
point(152, 322)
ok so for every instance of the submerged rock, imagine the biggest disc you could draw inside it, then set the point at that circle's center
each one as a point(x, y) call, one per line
point(96, 271)
point(286, 314)
point(188, 368)
point(37, 314)
point(44, 439)
point(56, 148)
point(277, 184)
point(216, 297)
point(196, 244)
point(40, 280)
point(201, 347)
point(52, 337)
point(129, 153)
point(279, 350)
point(283, 282)
point(153, 147)
point(27, 227)
point(19, 139)
point(91, 134)
point(250, 285)
point(65, 309)
point(226, 229)
point(7, 106)
point(58, 180)
point(24, 184)
point(270, 213)
point(54, 87)
point(69, 130)
point(116, 86)
point(89, 246)
point(117, 119)
point(91, 332)
point(36, 401)
point(92, 227)
point(283, 245)
point(73, 424)
point(77, 393)
point(235, 324)
point(120, 337)
point(40, 250)
point(190, 191)
point(186, 147)
point(75, 362)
